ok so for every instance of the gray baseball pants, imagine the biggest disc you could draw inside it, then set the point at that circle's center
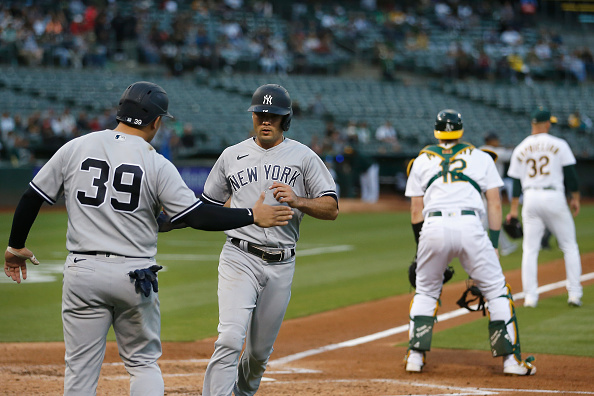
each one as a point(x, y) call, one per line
point(253, 298)
point(98, 293)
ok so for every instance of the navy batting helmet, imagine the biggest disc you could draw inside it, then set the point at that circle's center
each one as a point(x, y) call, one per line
point(141, 103)
point(272, 98)
point(448, 125)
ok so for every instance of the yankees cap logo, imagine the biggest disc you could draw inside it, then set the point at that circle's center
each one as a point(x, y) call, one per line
point(241, 156)
point(267, 100)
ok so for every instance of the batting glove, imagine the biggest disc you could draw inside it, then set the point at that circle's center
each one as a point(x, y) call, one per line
point(145, 279)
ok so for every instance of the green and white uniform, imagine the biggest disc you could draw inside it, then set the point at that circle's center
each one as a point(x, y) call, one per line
point(451, 178)
point(539, 162)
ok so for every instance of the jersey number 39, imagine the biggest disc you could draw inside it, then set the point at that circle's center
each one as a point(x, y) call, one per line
point(133, 172)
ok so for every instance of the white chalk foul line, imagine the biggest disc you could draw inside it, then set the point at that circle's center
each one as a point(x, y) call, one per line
point(404, 328)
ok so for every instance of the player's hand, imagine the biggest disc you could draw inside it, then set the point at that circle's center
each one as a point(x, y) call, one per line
point(574, 205)
point(271, 216)
point(15, 263)
point(283, 193)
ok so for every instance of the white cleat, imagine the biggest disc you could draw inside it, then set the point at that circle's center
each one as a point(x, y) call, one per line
point(414, 361)
point(413, 367)
point(522, 368)
point(574, 302)
point(530, 302)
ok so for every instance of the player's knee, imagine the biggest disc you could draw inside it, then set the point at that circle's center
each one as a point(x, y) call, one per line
point(493, 290)
point(230, 341)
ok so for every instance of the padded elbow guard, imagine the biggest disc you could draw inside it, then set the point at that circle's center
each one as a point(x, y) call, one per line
point(422, 333)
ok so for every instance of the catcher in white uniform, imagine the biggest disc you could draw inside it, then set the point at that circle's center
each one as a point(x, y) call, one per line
point(115, 184)
point(543, 169)
point(256, 265)
point(445, 186)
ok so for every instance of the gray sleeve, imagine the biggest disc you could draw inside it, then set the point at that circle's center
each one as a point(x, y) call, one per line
point(318, 180)
point(49, 181)
point(175, 196)
point(216, 189)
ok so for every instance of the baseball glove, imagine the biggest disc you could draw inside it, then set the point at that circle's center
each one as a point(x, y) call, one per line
point(412, 273)
point(465, 300)
point(513, 228)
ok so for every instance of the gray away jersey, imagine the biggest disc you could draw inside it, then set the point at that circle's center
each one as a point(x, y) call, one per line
point(114, 185)
point(244, 170)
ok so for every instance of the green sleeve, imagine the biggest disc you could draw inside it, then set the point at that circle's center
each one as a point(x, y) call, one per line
point(570, 178)
point(517, 189)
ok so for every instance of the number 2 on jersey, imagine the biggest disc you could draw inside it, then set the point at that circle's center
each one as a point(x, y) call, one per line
point(118, 184)
point(453, 170)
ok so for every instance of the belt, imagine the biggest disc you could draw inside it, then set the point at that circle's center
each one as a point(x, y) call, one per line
point(106, 254)
point(462, 212)
point(261, 252)
point(541, 188)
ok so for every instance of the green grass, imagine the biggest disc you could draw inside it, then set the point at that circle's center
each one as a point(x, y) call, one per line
point(375, 267)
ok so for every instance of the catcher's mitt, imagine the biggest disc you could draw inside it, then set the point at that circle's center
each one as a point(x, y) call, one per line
point(412, 273)
point(464, 301)
point(513, 228)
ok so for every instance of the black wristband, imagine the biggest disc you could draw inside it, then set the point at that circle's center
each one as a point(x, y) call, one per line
point(417, 230)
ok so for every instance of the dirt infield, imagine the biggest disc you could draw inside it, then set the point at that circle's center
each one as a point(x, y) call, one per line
point(309, 358)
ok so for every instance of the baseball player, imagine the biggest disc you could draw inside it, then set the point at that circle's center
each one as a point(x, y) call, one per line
point(445, 185)
point(256, 265)
point(543, 169)
point(115, 184)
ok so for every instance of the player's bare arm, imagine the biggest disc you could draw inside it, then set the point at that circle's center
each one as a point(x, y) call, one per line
point(494, 208)
point(416, 210)
point(270, 216)
point(324, 208)
point(574, 203)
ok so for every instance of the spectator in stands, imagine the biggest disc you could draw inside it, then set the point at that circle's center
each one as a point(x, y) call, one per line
point(387, 134)
point(317, 106)
point(579, 122)
point(7, 124)
point(363, 133)
point(350, 132)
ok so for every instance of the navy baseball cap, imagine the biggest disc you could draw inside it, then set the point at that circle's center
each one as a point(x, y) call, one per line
point(542, 114)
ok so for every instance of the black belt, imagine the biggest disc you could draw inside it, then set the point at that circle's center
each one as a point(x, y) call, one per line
point(106, 254)
point(462, 212)
point(261, 252)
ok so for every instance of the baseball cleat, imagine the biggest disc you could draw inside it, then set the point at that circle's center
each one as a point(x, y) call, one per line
point(414, 361)
point(530, 302)
point(524, 367)
point(413, 367)
point(520, 369)
point(574, 302)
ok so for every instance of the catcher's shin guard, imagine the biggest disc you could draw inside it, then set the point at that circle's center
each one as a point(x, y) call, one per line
point(420, 338)
point(502, 342)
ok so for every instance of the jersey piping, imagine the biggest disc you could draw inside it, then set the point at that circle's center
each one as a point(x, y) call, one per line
point(42, 194)
point(185, 212)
